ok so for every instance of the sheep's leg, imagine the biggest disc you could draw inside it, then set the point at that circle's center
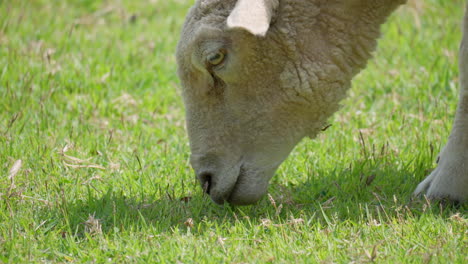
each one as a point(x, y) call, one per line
point(450, 178)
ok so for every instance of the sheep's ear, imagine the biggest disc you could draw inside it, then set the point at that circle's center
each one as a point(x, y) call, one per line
point(253, 15)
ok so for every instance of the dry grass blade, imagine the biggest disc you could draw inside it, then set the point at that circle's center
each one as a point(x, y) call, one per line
point(95, 177)
point(328, 202)
point(93, 226)
point(189, 223)
point(221, 242)
point(48, 203)
point(92, 166)
point(77, 163)
point(459, 218)
point(296, 221)
point(11, 177)
point(273, 202)
point(75, 159)
point(373, 255)
point(14, 169)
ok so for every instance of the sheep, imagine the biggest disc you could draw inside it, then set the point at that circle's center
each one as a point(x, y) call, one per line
point(258, 76)
point(450, 179)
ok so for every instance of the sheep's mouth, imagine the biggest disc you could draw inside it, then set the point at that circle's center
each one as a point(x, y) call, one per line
point(247, 191)
point(249, 186)
point(235, 188)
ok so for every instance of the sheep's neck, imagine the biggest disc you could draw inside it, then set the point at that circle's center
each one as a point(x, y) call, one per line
point(328, 43)
point(351, 32)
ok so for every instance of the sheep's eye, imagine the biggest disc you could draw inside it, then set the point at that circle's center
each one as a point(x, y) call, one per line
point(216, 58)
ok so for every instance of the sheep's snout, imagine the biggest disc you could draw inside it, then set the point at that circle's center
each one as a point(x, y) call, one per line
point(217, 185)
point(226, 182)
point(216, 177)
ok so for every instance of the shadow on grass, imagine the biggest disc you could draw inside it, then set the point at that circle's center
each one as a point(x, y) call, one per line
point(343, 195)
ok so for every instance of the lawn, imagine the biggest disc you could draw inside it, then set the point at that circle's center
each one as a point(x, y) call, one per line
point(94, 155)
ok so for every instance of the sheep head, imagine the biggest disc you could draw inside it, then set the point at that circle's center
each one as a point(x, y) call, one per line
point(259, 75)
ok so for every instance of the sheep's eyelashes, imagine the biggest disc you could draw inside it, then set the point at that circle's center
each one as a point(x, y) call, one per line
point(216, 58)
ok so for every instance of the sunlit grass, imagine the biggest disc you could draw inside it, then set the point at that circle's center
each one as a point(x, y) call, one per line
point(89, 103)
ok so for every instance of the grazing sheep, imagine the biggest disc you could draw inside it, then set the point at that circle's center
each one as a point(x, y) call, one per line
point(260, 75)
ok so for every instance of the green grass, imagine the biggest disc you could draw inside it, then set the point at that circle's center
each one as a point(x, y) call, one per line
point(89, 103)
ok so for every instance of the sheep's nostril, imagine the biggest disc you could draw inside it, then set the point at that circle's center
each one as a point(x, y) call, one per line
point(205, 179)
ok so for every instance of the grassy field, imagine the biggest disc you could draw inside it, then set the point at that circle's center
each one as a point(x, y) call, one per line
point(94, 155)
